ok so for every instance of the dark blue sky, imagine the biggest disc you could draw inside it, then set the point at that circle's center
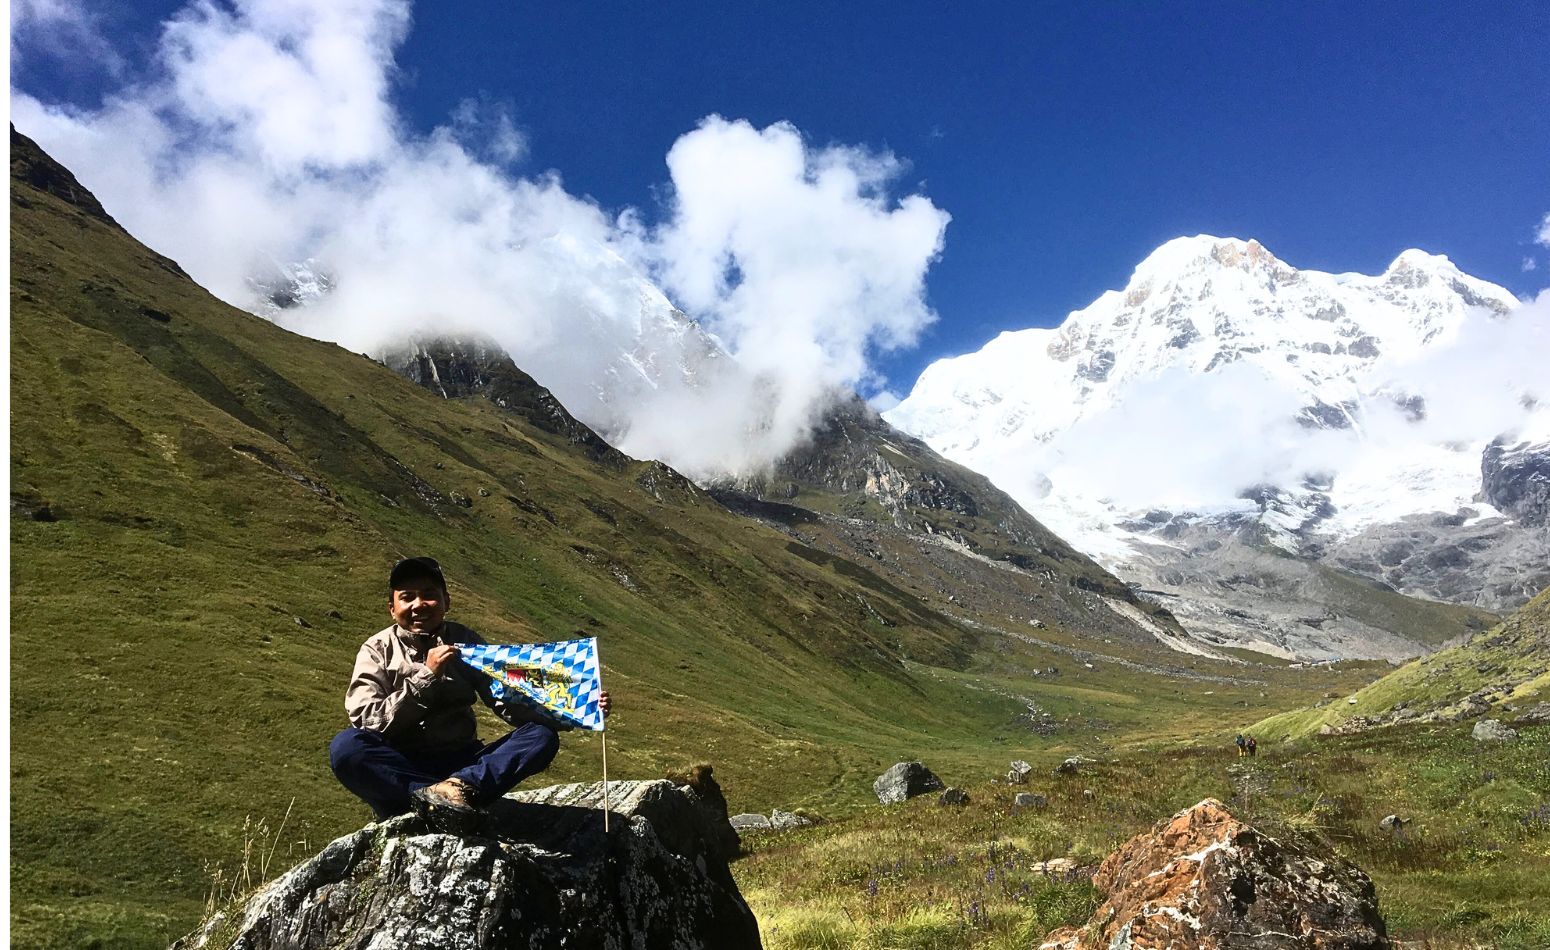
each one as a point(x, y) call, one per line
point(1067, 140)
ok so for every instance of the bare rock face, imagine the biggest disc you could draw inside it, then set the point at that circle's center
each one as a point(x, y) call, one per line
point(540, 873)
point(1205, 879)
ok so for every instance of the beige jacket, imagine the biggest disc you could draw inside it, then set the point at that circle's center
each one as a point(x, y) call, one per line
point(393, 692)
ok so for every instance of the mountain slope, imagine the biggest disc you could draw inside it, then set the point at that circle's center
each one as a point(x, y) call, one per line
point(1496, 672)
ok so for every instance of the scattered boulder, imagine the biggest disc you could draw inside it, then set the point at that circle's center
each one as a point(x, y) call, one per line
point(1030, 800)
point(953, 796)
point(1470, 707)
point(1536, 715)
point(1205, 879)
point(750, 822)
point(1073, 765)
point(1393, 824)
point(1492, 730)
point(1019, 772)
point(1088, 795)
point(905, 781)
point(781, 820)
point(541, 872)
point(1055, 867)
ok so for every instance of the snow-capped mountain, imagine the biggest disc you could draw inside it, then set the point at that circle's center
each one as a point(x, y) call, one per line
point(1226, 392)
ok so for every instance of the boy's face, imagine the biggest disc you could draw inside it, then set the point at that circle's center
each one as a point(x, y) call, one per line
point(419, 605)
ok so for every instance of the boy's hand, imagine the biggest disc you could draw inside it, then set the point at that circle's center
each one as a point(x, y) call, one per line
point(440, 657)
point(604, 703)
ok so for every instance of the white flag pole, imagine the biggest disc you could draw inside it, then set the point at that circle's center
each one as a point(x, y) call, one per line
point(599, 653)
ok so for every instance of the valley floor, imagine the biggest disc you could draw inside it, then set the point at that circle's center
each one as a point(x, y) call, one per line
point(1471, 870)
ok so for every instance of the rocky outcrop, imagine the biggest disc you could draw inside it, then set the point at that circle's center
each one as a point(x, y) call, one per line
point(1516, 479)
point(541, 872)
point(1204, 879)
point(459, 368)
point(905, 781)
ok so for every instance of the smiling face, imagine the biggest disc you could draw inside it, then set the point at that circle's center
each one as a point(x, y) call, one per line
point(419, 605)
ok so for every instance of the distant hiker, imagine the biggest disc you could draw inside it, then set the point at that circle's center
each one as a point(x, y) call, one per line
point(1243, 747)
point(1253, 747)
point(413, 739)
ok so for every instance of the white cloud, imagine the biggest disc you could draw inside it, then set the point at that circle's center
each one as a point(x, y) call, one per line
point(269, 136)
point(1529, 264)
point(1542, 236)
point(884, 400)
point(64, 30)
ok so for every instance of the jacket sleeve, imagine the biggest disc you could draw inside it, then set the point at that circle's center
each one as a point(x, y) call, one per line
point(381, 701)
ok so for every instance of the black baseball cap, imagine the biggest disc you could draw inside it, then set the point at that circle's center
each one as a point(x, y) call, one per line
point(415, 568)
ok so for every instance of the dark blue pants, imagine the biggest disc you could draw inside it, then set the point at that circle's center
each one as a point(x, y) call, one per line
point(383, 776)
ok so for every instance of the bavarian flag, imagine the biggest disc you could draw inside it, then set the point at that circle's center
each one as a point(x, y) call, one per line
point(561, 678)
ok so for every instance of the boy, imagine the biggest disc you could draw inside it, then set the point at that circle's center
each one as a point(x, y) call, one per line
point(413, 740)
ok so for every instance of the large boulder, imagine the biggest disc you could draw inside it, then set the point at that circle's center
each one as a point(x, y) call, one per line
point(539, 873)
point(1073, 765)
point(1492, 730)
point(905, 781)
point(1204, 879)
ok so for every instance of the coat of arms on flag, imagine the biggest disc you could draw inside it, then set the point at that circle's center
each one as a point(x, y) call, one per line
point(562, 678)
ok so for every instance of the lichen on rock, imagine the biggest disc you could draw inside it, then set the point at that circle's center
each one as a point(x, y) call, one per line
point(541, 872)
point(1204, 879)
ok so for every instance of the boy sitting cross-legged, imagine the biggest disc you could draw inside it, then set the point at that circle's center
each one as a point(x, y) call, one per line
point(413, 741)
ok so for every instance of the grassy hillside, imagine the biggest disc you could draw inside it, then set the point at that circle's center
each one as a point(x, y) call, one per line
point(204, 508)
point(1494, 672)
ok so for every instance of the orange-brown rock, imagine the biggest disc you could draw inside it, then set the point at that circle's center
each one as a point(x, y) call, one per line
point(1204, 879)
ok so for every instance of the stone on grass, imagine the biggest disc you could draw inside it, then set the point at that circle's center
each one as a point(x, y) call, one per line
point(1536, 715)
point(953, 796)
point(1492, 730)
point(1019, 772)
point(1393, 823)
point(1030, 800)
point(539, 872)
point(905, 781)
point(1054, 867)
point(1073, 765)
point(1203, 879)
point(750, 822)
point(781, 820)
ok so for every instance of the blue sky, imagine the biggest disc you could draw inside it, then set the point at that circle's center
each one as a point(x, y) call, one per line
point(1066, 140)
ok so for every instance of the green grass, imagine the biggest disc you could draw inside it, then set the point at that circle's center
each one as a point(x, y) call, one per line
point(1470, 870)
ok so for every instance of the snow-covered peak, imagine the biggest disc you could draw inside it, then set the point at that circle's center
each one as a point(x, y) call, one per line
point(1200, 378)
point(1183, 256)
point(1416, 259)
